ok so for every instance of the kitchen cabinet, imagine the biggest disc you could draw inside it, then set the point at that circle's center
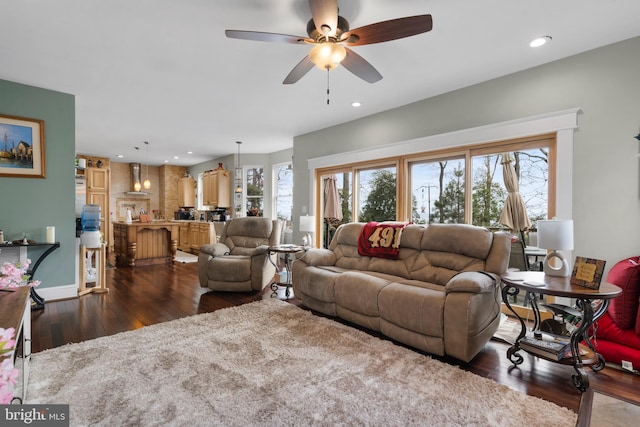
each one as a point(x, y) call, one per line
point(216, 188)
point(202, 233)
point(186, 192)
point(194, 234)
point(194, 237)
point(97, 179)
point(183, 243)
point(207, 234)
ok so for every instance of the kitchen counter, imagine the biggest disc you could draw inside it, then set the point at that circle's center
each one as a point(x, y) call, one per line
point(145, 243)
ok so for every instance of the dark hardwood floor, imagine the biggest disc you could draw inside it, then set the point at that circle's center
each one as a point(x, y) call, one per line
point(148, 295)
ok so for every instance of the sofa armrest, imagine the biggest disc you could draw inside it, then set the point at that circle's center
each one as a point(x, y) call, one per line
point(260, 250)
point(315, 256)
point(476, 282)
point(215, 249)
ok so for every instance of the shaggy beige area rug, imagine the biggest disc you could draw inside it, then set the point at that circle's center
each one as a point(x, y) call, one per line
point(270, 363)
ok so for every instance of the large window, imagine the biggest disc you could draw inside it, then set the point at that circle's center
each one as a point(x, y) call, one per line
point(283, 195)
point(458, 185)
point(377, 191)
point(531, 168)
point(468, 185)
point(255, 191)
point(336, 190)
point(437, 190)
point(371, 188)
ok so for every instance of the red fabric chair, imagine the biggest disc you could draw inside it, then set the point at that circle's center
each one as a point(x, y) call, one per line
point(618, 330)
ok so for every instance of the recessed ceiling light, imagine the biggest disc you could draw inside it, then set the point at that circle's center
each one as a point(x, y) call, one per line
point(356, 104)
point(176, 157)
point(119, 156)
point(189, 152)
point(166, 161)
point(540, 41)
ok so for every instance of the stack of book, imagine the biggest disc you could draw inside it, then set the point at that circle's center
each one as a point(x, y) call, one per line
point(549, 346)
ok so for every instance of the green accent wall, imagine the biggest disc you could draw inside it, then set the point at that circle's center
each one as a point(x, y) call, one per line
point(28, 205)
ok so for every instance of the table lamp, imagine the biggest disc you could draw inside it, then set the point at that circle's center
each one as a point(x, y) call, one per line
point(556, 235)
point(308, 226)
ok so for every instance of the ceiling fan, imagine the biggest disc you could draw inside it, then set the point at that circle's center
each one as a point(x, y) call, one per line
point(329, 33)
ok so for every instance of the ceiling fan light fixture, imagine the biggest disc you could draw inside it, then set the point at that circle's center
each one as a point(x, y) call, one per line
point(327, 55)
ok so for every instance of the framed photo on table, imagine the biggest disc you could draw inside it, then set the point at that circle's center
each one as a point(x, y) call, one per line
point(587, 272)
point(21, 147)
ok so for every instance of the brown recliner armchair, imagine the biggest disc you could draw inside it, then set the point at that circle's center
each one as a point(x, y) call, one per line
point(240, 261)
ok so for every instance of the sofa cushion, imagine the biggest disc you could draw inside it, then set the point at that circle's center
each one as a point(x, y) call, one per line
point(316, 282)
point(230, 268)
point(358, 292)
point(624, 309)
point(243, 235)
point(412, 308)
point(464, 239)
point(616, 344)
point(638, 319)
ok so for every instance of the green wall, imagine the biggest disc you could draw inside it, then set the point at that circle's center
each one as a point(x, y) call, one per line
point(604, 83)
point(28, 205)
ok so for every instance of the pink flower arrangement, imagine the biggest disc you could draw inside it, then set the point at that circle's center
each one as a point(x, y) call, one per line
point(15, 275)
point(11, 276)
point(8, 374)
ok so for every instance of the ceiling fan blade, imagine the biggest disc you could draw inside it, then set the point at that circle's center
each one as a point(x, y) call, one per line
point(360, 67)
point(325, 12)
point(388, 30)
point(299, 71)
point(265, 37)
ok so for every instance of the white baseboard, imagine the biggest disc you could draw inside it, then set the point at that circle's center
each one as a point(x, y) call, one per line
point(58, 292)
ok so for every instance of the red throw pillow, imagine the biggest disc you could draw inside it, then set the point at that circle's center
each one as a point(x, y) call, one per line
point(381, 239)
point(624, 309)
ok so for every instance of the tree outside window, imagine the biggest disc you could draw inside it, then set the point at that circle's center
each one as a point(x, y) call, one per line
point(377, 195)
point(255, 191)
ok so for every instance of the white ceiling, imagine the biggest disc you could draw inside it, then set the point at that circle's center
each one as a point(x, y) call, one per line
point(163, 71)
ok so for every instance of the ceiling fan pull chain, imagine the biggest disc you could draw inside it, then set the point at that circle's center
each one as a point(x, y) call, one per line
point(327, 86)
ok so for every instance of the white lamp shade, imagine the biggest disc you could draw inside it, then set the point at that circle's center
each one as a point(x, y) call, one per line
point(308, 223)
point(555, 234)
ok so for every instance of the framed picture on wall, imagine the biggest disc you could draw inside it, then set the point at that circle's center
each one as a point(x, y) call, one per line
point(21, 147)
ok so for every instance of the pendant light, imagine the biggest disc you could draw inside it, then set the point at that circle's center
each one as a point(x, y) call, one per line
point(147, 184)
point(238, 189)
point(136, 185)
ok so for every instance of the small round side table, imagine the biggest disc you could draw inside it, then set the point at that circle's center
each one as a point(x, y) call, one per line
point(289, 251)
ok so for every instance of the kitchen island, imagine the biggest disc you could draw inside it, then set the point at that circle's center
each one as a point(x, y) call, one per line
point(139, 243)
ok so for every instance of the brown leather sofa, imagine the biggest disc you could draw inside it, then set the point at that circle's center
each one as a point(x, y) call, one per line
point(240, 261)
point(441, 296)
